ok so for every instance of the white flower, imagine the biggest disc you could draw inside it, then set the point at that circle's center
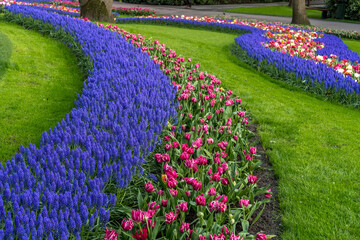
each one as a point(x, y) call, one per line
point(340, 70)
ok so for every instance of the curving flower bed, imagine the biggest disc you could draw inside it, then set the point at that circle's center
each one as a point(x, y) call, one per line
point(57, 190)
point(73, 8)
point(207, 188)
point(329, 76)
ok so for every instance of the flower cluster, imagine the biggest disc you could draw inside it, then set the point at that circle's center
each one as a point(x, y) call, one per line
point(57, 190)
point(73, 8)
point(134, 11)
point(66, 3)
point(208, 165)
point(301, 44)
point(62, 9)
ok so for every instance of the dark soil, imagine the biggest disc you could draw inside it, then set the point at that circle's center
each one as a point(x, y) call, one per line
point(269, 222)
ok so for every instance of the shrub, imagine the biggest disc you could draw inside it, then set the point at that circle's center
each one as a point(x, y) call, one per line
point(352, 10)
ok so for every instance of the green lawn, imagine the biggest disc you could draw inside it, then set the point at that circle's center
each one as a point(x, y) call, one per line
point(39, 80)
point(353, 44)
point(313, 145)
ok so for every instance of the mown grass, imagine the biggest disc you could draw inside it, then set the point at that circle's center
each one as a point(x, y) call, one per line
point(353, 45)
point(283, 11)
point(313, 145)
point(39, 80)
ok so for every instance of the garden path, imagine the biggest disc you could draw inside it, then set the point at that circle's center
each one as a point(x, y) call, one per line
point(212, 10)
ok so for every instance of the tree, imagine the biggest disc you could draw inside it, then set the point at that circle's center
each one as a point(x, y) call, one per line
point(97, 10)
point(299, 15)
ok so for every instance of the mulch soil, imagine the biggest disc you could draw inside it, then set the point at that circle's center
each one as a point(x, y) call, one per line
point(269, 222)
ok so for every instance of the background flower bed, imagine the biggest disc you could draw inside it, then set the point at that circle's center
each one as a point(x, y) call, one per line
point(316, 78)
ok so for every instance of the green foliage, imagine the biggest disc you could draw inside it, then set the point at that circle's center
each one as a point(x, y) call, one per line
point(352, 10)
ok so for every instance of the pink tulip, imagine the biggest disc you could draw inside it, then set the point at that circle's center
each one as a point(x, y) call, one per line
point(110, 235)
point(187, 136)
point(184, 227)
point(215, 237)
point(216, 177)
point(252, 150)
point(261, 236)
point(197, 186)
point(268, 195)
point(233, 237)
point(127, 225)
point(164, 203)
point(184, 156)
point(251, 179)
point(149, 187)
point(225, 230)
point(165, 158)
point(183, 206)
point(212, 191)
point(171, 182)
point(175, 145)
point(224, 181)
point(173, 192)
point(167, 147)
point(170, 217)
point(200, 200)
point(248, 157)
point(224, 200)
point(158, 157)
point(137, 216)
point(244, 202)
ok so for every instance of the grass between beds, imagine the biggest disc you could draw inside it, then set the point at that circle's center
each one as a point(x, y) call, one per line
point(39, 80)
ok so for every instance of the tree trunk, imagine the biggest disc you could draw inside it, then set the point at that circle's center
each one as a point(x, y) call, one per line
point(299, 15)
point(97, 10)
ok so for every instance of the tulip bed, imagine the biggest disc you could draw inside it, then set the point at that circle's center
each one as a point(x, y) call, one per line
point(204, 179)
point(304, 67)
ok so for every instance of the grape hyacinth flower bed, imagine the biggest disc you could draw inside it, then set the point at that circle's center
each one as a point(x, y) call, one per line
point(57, 190)
point(332, 77)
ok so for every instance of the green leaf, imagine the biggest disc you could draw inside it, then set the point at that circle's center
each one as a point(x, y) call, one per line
point(258, 216)
point(245, 225)
point(208, 153)
point(139, 198)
